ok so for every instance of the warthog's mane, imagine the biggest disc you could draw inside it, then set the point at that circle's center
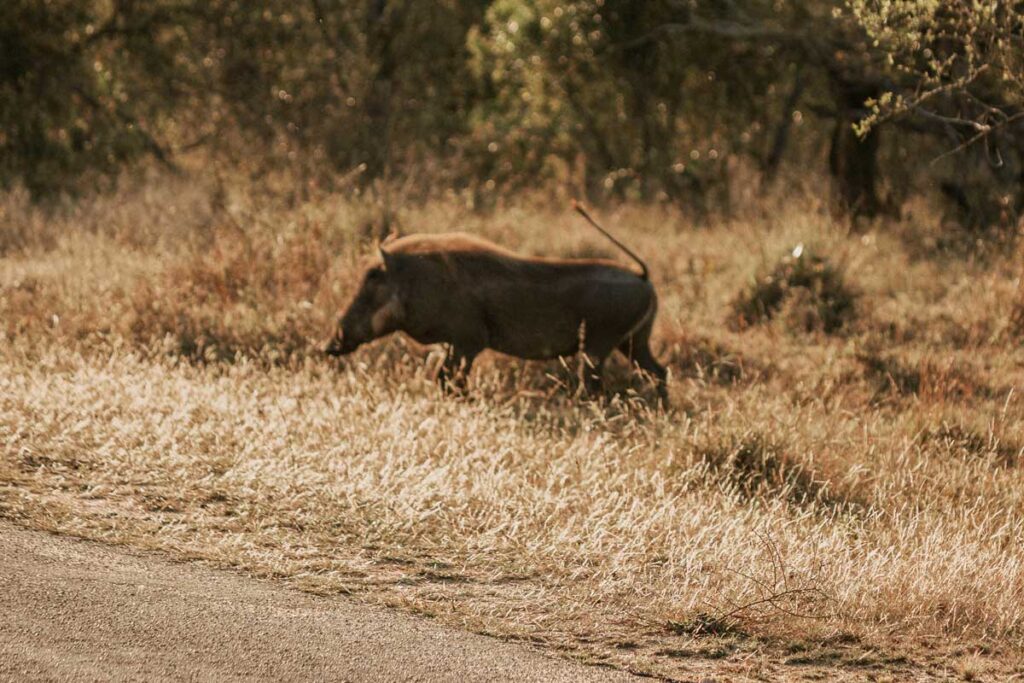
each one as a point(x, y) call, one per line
point(467, 248)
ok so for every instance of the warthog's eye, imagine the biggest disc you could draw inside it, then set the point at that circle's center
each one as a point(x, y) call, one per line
point(375, 275)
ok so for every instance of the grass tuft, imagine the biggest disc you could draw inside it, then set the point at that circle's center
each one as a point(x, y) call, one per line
point(808, 291)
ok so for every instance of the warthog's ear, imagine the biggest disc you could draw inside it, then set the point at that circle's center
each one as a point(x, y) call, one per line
point(390, 260)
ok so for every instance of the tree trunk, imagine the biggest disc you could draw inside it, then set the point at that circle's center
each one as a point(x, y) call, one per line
point(780, 141)
point(853, 161)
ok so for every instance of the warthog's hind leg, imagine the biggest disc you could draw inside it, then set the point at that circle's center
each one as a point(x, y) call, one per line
point(638, 350)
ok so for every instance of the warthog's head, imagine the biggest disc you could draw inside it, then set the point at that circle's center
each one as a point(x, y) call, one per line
point(375, 311)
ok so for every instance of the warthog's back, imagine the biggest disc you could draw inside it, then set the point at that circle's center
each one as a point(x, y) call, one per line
point(479, 257)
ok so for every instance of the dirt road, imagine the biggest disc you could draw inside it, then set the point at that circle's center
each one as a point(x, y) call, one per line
point(77, 610)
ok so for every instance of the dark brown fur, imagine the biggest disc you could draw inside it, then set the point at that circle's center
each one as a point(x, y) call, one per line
point(474, 295)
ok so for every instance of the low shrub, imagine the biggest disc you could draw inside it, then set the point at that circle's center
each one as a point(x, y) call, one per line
point(807, 288)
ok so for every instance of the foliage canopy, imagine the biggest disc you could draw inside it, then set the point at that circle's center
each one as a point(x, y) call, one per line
point(674, 100)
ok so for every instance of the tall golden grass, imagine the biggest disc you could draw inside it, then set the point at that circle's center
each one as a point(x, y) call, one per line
point(160, 387)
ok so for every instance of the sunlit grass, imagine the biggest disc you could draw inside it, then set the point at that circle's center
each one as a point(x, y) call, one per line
point(161, 388)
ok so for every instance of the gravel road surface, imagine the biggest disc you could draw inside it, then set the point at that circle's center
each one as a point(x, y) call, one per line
point(75, 610)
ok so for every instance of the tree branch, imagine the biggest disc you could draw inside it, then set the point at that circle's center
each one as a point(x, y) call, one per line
point(979, 136)
point(954, 120)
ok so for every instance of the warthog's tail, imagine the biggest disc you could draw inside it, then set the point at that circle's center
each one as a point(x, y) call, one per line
point(629, 252)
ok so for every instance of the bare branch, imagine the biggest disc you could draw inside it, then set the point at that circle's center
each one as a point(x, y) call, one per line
point(774, 599)
point(978, 137)
point(954, 121)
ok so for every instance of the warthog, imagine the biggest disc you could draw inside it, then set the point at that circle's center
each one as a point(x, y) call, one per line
point(473, 295)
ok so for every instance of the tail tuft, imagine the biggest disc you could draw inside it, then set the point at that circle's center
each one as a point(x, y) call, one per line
point(644, 275)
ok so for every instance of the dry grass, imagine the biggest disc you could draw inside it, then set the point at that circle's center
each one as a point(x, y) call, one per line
point(850, 501)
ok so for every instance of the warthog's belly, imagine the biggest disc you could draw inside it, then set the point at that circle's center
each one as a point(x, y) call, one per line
point(538, 344)
point(542, 322)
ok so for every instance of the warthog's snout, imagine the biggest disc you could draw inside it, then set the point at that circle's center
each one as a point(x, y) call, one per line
point(341, 344)
point(335, 346)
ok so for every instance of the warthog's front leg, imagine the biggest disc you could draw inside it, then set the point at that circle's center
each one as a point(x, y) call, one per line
point(592, 375)
point(454, 371)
